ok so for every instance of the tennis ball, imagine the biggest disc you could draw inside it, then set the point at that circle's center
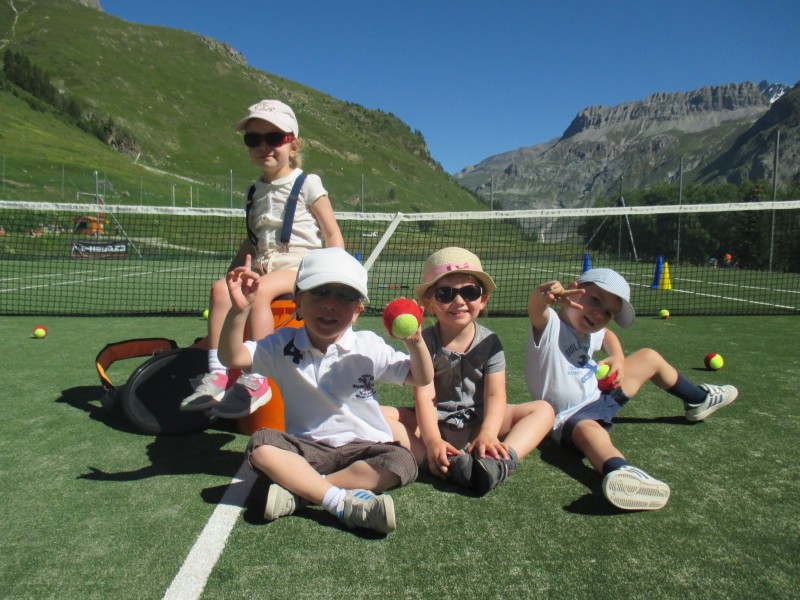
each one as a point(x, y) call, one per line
point(714, 361)
point(39, 332)
point(402, 317)
point(606, 381)
point(205, 314)
point(602, 371)
point(404, 326)
point(663, 313)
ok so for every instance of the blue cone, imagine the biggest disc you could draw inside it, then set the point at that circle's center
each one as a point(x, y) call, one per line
point(657, 274)
point(587, 264)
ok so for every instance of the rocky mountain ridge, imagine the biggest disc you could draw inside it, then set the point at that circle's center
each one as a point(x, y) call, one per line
point(642, 143)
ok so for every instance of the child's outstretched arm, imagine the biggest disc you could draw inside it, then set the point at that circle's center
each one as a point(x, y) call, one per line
point(545, 295)
point(421, 371)
point(243, 287)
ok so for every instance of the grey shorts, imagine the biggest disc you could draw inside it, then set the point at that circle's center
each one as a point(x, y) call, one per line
point(459, 438)
point(603, 410)
point(327, 459)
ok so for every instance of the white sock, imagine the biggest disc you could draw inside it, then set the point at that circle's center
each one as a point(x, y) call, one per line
point(213, 362)
point(332, 499)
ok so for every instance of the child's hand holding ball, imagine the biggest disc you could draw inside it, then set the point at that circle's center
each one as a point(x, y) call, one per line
point(402, 317)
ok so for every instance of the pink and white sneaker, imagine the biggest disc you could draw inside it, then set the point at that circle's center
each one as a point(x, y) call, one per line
point(250, 392)
point(208, 392)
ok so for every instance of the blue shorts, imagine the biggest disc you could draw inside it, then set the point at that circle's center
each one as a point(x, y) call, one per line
point(603, 410)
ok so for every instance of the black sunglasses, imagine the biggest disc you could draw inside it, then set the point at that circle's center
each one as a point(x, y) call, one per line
point(345, 294)
point(276, 139)
point(470, 293)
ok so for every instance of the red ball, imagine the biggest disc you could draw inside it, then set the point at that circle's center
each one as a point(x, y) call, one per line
point(399, 307)
point(608, 383)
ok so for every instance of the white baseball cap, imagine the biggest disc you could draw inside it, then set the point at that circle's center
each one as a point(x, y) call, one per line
point(614, 283)
point(275, 112)
point(331, 265)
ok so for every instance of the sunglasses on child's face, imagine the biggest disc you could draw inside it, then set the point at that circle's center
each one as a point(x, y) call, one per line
point(345, 294)
point(469, 293)
point(275, 139)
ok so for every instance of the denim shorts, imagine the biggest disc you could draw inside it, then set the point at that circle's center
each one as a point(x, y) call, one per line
point(603, 410)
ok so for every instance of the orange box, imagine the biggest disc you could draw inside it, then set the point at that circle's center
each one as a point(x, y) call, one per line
point(271, 414)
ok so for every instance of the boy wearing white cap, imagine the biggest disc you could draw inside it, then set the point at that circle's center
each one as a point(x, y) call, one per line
point(327, 374)
point(559, 368)
point(289, 215)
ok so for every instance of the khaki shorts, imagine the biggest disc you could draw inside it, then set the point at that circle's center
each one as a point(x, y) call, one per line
point(279, 259)
point(326, 459)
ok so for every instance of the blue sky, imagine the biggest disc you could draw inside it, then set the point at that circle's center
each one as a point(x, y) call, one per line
point(479, 78)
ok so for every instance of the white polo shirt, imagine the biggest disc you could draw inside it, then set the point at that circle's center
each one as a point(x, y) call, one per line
point(269, 204)
point(331, 397)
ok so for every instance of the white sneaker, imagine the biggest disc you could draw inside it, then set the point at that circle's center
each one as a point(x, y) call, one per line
point(208, 392)
point(361, 508)
point(282, 503)
point(630, 488)
point(717, 396)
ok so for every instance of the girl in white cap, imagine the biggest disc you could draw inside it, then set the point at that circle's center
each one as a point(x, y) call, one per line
point(461, 425)
point(271, 134)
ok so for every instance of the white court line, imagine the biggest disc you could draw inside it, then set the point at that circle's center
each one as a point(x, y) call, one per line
point(86, 280)
point(191, 580)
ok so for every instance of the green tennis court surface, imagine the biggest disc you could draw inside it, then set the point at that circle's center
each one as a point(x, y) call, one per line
point(95, 510)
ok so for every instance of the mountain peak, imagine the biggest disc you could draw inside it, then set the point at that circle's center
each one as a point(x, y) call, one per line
point(669, 107)
point(717, 133)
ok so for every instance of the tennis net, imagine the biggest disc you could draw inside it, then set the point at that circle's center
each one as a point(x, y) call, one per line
point(711, 259)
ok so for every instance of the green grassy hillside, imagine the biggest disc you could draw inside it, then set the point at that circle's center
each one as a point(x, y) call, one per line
point(178, 95)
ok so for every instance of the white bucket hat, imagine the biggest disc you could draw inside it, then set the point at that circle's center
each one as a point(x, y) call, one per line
point(331, 265)
point(614, 283)
point(275, 112)
point(448, 261)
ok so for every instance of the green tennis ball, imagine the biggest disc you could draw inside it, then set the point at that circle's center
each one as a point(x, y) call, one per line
point(602, 371)
point(39, 332)
point(404, 326)
point(714, 361)
point(663, 313)
point(205, 314)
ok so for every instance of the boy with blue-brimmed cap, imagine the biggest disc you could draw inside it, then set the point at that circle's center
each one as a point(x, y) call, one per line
point(560, 369)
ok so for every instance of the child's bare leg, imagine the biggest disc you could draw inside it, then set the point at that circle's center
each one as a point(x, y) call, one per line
point(625, 486)
point(219, 305)
point(647, 365)
point(290, 471)
point(594, 441)
point(405, 431)
point(209, 390)
point(361, 475)
point(270, 286)
point(527, 425)
point(699, 401)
